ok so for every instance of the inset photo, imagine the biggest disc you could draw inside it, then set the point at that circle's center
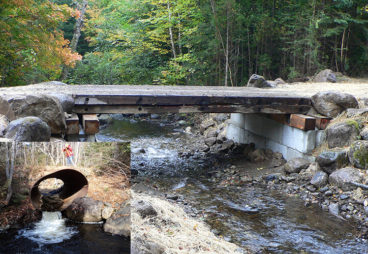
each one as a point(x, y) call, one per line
point(59, 197)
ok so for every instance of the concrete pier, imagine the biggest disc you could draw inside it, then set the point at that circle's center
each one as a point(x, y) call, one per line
point(270, 134)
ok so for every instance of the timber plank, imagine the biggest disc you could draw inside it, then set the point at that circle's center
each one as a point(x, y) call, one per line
point(91, 124)
point(134, 109)
point(302, 122)
point(72, 125)
point(322, 122)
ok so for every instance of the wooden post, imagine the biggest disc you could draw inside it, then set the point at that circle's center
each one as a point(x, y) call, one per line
point(91, 124)
point(72, 125)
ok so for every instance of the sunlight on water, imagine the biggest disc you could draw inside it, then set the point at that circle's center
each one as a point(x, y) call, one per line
point(51, 229)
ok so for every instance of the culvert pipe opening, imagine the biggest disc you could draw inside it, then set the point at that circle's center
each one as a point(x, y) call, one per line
point(71, 184)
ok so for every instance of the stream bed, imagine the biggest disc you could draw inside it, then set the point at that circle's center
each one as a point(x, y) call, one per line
point(250, 216)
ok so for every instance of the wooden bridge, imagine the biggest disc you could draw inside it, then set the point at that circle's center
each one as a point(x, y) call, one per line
point(96, 99)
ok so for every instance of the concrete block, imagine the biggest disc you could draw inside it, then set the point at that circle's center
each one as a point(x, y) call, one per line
point(267, 133)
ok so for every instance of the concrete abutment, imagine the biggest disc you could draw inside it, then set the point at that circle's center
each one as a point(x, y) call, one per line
point(270, 134)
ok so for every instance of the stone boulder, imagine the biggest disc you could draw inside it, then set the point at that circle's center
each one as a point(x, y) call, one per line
point(206, 124)
point(296, 165)
point(107, 211)
point(325, 76)
point(85, 209)
point(343, 177)
point(333, 103)
point(144, 209)
point(6, 110)
point(210, 141)
point(4, 122)
point(364, 133)
point(319, 179)
point(45, 107)
point(28, 129)
point(279, 81)
point(119, 223)
point(354, 112)
point(67, 102)
point(342, 134)
point(329, 161)
point(260, 82)
point(358, 154)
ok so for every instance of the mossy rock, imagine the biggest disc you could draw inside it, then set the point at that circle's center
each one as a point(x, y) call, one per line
point(358, 154)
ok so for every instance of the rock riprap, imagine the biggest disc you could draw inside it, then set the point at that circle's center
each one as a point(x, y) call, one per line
point(45, 107)
point(331, 160)
point(296, 165)
point(4, 122)
point(358, 154)
point(342, 134)
point(6, 110)
point(119, 223)
point(85, 209)
point(342, 178)
point(319, 179)
point(260, 82)
point(28, 129)
point(331, 103)
point(325, 76)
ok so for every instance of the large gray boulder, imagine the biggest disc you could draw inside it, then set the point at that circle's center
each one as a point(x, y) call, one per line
point(342, 134)
point(85, 209)
point(260, 82)
point(325, 76)
point(45, 107)
point(333, 103)
point(6, 110)
point(329, 161)
point(28, 129)
point(344, 176)
point(67, 102)
point(358, 154)
point(119, 223)
point(4, 122)
point(296, 165)
point(319, 179)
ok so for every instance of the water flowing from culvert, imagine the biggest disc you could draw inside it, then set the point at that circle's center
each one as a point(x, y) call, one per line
point(268, 221)
point(49, 230)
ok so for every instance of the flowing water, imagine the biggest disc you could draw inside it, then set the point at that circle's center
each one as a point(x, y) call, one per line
point(54, 234)
point(266, 221)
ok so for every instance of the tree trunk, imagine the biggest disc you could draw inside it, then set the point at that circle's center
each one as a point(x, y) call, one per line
point(77, 33)
point(171, 32)
point(9, 170)
point(342, 67)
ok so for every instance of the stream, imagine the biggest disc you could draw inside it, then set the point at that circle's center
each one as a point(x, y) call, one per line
point(252, 216)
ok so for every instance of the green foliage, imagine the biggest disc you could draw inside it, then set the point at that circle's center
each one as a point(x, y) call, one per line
point(32, 48)
point(182, 42)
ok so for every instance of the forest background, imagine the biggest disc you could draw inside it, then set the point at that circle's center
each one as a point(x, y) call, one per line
point(179, 42)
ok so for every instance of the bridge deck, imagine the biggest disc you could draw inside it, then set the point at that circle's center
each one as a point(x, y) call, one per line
point(158, 99)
